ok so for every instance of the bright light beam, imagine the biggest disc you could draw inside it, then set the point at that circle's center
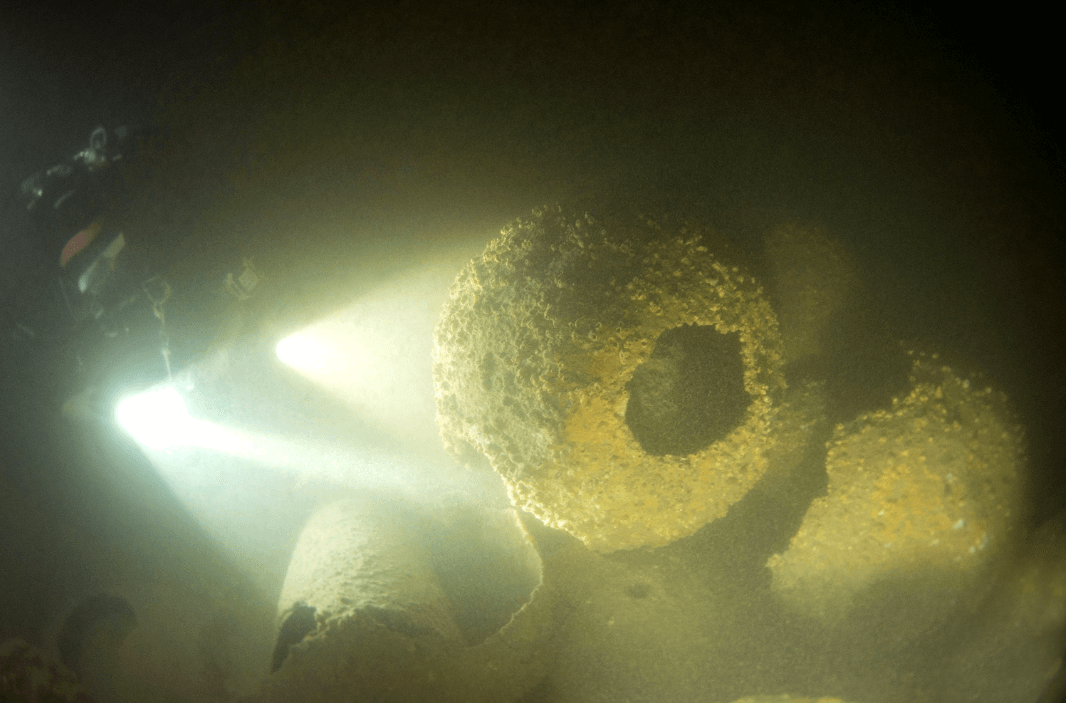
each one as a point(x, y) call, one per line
point(159, 419)
point(303, 352)
point(375, 355)
point(156, 418)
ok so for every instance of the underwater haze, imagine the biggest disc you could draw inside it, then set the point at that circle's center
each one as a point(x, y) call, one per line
point(338, 199)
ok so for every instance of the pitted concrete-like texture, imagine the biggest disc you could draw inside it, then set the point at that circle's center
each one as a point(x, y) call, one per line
point(552, 339)
point(927, 492)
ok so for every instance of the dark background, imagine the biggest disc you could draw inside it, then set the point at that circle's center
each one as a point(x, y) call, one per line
point(928, 143)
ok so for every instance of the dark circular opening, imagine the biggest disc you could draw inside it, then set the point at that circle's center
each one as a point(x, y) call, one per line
point(690, 393)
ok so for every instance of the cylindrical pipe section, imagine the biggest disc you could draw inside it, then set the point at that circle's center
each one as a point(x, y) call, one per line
point(370, 602)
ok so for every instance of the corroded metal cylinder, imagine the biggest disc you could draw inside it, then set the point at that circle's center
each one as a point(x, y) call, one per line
point(621, 379)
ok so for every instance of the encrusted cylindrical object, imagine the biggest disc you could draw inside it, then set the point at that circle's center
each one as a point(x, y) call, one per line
point(811, 277)
point(923, 498)
point(620, 378)
point(360, 610)
point(364, 612)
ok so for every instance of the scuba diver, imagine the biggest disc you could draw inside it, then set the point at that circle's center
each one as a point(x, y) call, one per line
point(82, 302)
point(54, 222)
point(68, 205)
point(67, 283)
